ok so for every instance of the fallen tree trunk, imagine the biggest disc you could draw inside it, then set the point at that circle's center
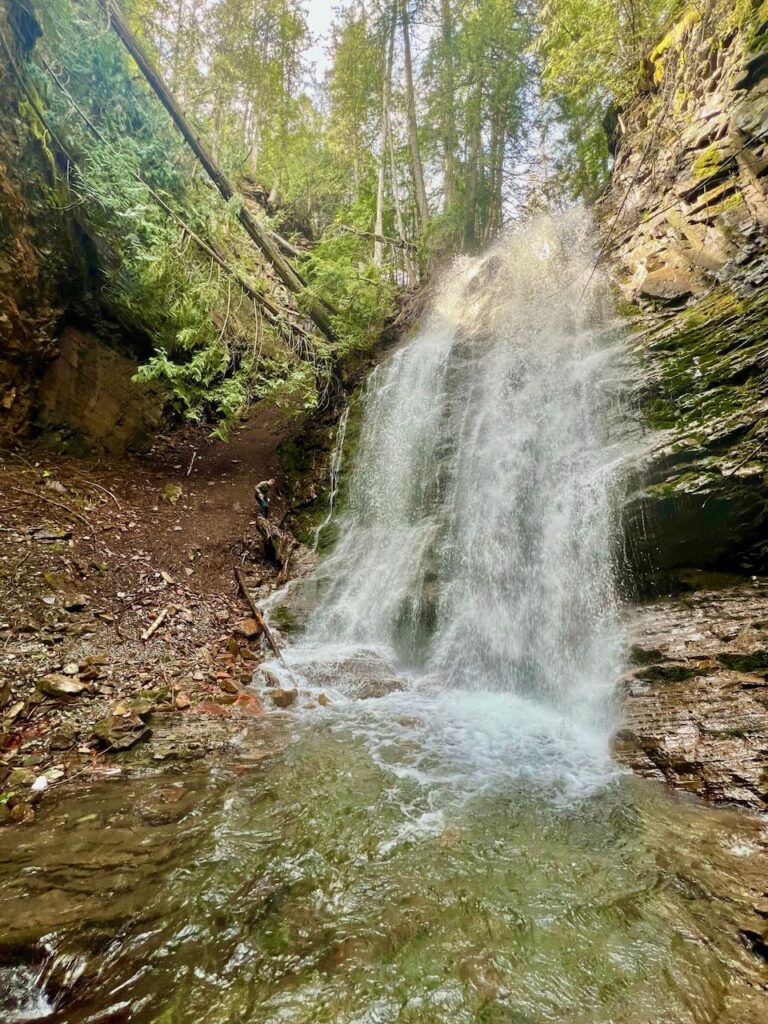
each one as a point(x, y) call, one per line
point(290, 277)
point(240, 575)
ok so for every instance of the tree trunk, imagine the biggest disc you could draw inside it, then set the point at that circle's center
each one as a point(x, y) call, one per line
point(410, 271)
point(413, 127)
point(316, 310)
point(474, 143)
point(386, 85)
point(449, 98)
point(496, 180)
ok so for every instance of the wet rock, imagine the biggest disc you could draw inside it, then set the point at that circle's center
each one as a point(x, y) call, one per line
point(22, 813)
point(120, 732)
point(269, 677)
point(324, 700)
point(283, 698)
point(61, 687)
point(20, 778)
point(229, 686)
point(696, 711)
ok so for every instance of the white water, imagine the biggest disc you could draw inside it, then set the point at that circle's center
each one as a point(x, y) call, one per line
point(476, 545)
point(337, 456)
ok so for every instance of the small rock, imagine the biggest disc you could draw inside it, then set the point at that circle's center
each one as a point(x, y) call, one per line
point(172, 493)
point(21, 777)
point(182, 700)
point(120, 733)
point(22, 813)
point(249, 628)
point(14, 710)
point(64, 737)
point(71, 669)
point(141, 706)
point(51, 534)
point(77, 603)
point(61, 687)
point(283, 698)
point(229, 685)
point(324, 700)
point(40, 784)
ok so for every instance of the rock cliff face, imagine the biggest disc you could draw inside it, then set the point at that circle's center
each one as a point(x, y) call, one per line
point(685, 223)
point(51, 373)
point(696, 702)
point(685, 226)
point(40, 258)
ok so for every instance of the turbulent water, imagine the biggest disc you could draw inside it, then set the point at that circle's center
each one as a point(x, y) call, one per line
point(434, 832)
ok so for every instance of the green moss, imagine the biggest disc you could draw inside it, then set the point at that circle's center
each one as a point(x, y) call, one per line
point(756, 661)
point(708, 163)
point(285, 620)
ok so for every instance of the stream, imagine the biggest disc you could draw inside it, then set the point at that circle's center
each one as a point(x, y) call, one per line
point(434, 831)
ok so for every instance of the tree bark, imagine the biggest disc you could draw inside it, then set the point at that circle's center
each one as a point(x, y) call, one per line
point(413, 127)
point(410, 270)
point(449, 98)
point(316, 310)
point(386, 86)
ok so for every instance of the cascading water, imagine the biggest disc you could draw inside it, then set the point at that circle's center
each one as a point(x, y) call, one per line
point(477, 540)
point(476, 547)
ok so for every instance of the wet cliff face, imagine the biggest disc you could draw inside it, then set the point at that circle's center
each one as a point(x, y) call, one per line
point(686, 225)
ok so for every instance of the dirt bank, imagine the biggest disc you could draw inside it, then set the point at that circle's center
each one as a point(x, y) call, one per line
point(121, 621)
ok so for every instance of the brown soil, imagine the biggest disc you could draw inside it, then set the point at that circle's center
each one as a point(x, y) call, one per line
point(92, 552)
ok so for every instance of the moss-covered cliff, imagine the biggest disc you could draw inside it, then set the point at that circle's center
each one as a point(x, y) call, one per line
point(43, 259)
point(685, 222)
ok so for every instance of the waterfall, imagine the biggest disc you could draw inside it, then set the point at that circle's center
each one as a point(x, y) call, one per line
point(476, 543)
point(333, 477)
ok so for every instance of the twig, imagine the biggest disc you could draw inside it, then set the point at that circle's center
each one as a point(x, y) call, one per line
point(151, 630)
point(256, 612)
point(58, 504)
point(99, 487)
point(192, 462)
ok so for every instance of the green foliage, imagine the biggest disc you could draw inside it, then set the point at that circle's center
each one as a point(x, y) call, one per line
point(213, 351)
point(592, 54)
point(340, 268)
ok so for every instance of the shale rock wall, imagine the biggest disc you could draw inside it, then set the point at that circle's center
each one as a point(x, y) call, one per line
point(685, 225)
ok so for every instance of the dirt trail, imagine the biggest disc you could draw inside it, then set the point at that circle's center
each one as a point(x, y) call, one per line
point(120, 612)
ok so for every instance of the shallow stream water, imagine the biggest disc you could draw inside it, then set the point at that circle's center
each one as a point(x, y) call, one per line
point(364, 874)
point(444, 837)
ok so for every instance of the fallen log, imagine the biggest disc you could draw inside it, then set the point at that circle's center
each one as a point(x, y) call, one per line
point(240, 576)
point(317, 310)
